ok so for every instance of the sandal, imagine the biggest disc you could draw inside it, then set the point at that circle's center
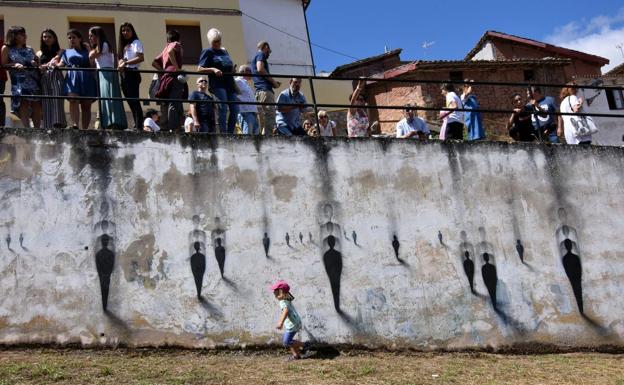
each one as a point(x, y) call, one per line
point(292, 358)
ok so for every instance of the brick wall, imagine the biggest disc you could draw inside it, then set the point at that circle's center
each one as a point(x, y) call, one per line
point(429, 95)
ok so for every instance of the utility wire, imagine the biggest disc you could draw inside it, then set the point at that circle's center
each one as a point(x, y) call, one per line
point(298, 38)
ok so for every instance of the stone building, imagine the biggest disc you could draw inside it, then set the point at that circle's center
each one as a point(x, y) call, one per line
point(497, 57)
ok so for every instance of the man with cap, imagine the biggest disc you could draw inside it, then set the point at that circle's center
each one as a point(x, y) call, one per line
point(202, 110)
point(411, 126)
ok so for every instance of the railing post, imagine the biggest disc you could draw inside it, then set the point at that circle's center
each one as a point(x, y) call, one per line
point(318, 124)
point(98, 118)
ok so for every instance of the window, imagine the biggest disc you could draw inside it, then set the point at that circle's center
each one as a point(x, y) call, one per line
point(109, 30)
point(615, 99)
point(2, 29)
point(456, 76)
point(191, 40)
point(529, 75)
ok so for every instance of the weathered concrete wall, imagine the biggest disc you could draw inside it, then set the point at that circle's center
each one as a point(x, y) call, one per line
point(155, 196)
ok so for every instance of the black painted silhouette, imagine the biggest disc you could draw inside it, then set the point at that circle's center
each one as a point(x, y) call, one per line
point(21, 240)
point(333, 266)
point(572, 266)
point(490, 278)
point(220, 255)
point(345, 235)
point(440, 237)
point(310, 237)
point(104, 263)
point(354, 236)
point(520, 250)
point(469, 270)
point(8, 242)
point(266, 242)
point(287, 239)
point(564, 232)
point(395, 246)
point(198, 266)
point(300, 237)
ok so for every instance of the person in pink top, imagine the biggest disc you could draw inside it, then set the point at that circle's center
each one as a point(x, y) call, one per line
point(357, 118)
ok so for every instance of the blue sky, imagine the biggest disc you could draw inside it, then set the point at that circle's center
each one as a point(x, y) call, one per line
point(363, 28)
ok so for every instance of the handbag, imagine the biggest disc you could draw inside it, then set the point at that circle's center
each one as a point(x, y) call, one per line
point(582, 125)
point(154, 86)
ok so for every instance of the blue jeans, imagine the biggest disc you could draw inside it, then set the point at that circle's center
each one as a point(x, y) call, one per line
point(286, 130)
point(248, 121)
point(553, 138)
point(228, 96)
point(288, 338)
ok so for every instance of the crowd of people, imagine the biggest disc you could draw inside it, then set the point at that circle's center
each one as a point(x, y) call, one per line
point(226, 101)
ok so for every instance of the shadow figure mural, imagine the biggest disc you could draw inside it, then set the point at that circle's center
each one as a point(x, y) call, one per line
point(565, 231)
point(198, 267)
point(490, 278)
point(395, 245)
point(574, 271)
point(354, 237)
point(332, 259)
point(104, 263)
point(520, 250)
point(287, 238)
point(220, 256)
point(266, 243)
point(469, 269)
point(300, 238)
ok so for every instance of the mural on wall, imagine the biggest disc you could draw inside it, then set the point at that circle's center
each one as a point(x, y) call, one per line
point(395, 245)
point(198, 267)
point(330, 245)
point(332, 259)
point(574, 271)
point(266, 243)
point(197, 242)
point(8, 242)
point(218, 236)
point(354, 237)
point(105, 262)
point(490, 278)
point(287, 238)
point(469, 269)
point(300, 238)
point(105, 251)
point(568, 245)
point(520, 250)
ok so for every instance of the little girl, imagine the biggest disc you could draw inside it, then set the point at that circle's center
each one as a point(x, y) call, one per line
point(289, 319)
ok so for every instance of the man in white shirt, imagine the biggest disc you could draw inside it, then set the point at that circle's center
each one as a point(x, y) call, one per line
point(247, 113)
point(151, 121)
point(411, 126)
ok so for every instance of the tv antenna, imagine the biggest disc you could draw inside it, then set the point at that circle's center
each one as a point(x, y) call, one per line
point(426, 45)
point(621, 48)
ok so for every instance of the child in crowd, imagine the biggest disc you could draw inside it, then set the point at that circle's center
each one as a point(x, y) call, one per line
point(290, 320)
point(188, 123)
point(151, 121)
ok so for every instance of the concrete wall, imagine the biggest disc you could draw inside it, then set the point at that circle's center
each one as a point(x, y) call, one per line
point(528, 207)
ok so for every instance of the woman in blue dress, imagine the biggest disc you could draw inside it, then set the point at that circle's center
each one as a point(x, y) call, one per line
point(112, 113)
point(77, 82)
point(23, 67)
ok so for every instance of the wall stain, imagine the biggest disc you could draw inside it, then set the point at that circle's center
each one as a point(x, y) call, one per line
point(136, 261)
point(283, 186)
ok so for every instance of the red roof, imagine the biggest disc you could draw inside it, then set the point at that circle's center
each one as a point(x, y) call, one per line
point(569, 53)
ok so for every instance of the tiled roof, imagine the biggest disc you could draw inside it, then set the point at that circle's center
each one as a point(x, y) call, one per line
point(619, 70)
point(460, 64)
point(572, 54)
point(367, 60)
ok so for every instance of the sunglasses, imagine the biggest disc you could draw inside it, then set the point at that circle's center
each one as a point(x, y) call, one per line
point(202, 81)
point(322, 117)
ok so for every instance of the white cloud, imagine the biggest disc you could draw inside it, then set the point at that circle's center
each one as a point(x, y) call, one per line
point(599, 35)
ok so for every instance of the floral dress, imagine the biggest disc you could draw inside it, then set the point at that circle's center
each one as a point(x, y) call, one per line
point(24, 82)
point(357, 124)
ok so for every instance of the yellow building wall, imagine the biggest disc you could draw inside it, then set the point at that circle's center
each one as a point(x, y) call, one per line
point(151, 28)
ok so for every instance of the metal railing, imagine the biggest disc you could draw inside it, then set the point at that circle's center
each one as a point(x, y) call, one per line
point(316, 105)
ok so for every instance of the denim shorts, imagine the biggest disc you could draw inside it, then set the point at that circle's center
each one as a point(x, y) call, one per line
point(288, 338)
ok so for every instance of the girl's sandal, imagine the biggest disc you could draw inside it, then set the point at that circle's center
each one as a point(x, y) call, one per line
point(292, 358)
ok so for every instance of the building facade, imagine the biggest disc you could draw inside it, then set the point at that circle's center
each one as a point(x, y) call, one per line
point(243, 24)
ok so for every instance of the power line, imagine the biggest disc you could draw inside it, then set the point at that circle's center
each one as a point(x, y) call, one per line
point(298, 38)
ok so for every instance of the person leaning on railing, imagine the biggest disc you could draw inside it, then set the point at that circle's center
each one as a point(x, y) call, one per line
point(217, 63)
point(570, 103)
point(130, 57)
point(3, 80)
point(23, 67)
point(247, 113)
point(78, 82)
point(52, 80)
point(519, 125)
point(172, 83)
point(288, 118)
point(412, 126)
point(264, 87)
